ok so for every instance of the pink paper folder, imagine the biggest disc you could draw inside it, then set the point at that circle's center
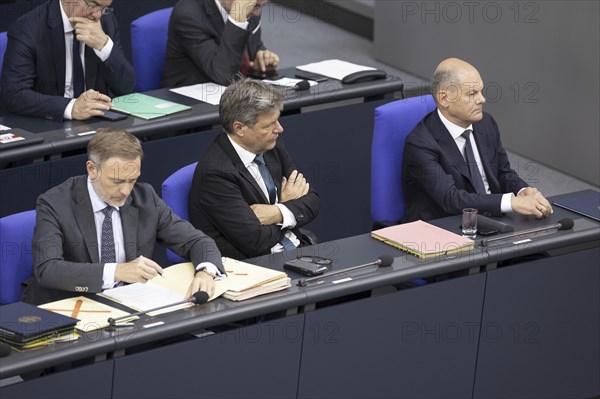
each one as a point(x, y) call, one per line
point(423, 239)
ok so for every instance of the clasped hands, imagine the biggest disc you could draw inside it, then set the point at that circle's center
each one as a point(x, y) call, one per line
point(292, 188)
point(142, 269)
point(530, 201)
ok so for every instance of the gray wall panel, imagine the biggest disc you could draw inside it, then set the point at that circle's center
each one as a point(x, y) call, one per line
point(539, 60)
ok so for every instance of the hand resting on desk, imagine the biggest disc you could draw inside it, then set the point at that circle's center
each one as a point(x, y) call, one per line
point(90, 103)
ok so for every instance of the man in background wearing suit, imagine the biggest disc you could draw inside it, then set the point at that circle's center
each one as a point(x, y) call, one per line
point(454, 159)
point(213, 40)
point(246, 193)
point(93, 232)
point(64, 60)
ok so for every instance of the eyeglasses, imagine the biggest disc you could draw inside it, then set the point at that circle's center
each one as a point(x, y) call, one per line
point(319, 260)
point(95, 6)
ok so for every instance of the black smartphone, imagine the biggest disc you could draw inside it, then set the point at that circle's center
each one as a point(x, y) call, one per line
point(486, 232)
point(310, 76)
point(113, 116)
point(270, 74)
point(304, 268)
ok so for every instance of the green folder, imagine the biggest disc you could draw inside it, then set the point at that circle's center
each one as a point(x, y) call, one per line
point(146, 107)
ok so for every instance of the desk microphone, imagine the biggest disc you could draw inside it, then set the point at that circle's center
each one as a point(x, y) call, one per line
point(384, 260)
point(563, 224)
point(5, 349)
point(198, 298)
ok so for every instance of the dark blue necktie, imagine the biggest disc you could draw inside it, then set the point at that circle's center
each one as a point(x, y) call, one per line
point(107, 241)
point(268, 179)
point(476, 179)
point(266, 176)
point(78, 78)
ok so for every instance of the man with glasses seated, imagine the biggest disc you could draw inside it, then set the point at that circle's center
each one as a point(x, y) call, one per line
point(64, 60)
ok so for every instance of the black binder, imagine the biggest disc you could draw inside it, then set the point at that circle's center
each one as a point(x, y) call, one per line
point(22, 323)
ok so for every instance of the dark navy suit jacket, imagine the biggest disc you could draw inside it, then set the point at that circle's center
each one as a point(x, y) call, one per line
point(436, 178)
point(33, 74)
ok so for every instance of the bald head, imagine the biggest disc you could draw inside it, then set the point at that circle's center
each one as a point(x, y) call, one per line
point(457, 89)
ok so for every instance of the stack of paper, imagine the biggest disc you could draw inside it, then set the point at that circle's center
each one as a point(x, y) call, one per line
point(243, 281)
point(334, 69)
point(208, 92)
point(423, 239)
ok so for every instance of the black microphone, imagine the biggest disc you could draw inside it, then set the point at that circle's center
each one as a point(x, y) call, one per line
point(563, 224)
point(384, 260)
point(5, 349)
point(302, 85)
point(198, 298)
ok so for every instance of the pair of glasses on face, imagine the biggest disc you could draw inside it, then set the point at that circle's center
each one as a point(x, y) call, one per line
point(95, 6)
point(319, 260)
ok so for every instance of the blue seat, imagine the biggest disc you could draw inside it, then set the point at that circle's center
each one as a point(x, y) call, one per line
point(393, 122)
point(16, 266)
point(3, 41)
point(148, 48)
point(175, 193)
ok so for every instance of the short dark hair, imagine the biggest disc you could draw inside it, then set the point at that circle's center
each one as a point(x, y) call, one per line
point(245, 100)
point(113, 142)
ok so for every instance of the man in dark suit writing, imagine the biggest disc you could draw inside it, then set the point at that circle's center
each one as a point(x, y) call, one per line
point(454, 159)
point(213, 40)
point(63, 61)
point(246, 192)
point(93, 232)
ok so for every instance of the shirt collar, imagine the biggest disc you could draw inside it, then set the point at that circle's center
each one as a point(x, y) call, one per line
point(222, 10)
point(68, 28)
point(455, 130)
point(246, 156)
point(97, 203)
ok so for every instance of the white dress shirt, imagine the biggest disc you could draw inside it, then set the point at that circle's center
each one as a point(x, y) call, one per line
point(226, 16)
point(289, 220)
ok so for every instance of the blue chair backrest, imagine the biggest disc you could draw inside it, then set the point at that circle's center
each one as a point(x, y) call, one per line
point(148, 48)
point(3, 41)
point(16, 266)
point(175, 193)
point(393, 122)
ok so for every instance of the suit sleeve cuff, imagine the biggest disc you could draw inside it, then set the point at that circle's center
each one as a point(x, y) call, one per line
point(108, 275)
point(106, 50)
point(241, 25)
point(210, 269)
point(289, 220)
point(68, 114)
point(505, 205)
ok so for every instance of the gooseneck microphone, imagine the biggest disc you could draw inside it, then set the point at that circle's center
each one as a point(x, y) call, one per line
point(198, 298)
point(563, 224)
point(5, 349)
point(384, 260)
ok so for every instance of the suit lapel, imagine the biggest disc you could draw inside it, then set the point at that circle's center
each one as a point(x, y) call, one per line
point(445, 140)
point(57, 38)
point(84, 216)
point(210, 9)
point(225, 144)
point(486, 153)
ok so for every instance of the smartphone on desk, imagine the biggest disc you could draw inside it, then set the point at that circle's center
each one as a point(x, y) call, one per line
point(113, 116)
point(304, 268)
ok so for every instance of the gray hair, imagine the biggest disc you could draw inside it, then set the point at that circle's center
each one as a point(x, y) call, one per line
point(108, 143)
point(245, 100)
point(441, 80)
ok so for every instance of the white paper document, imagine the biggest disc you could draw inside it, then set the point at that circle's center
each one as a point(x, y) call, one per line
point(207, 92)
point(288, 82)
point(334, 69)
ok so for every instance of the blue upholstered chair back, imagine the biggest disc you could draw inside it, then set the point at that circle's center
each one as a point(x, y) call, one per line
point(16, 232)
point(3, 40)
point(148, 48)
point(393, 122)
point(175, 192)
